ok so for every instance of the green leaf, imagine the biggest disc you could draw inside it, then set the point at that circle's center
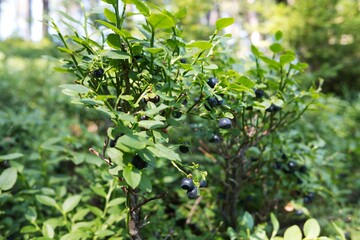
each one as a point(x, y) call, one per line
point(75, 88)
point(153, 111)
point(110, 1)
point(8, 178)
point(117, 201)
point(113, 27)
point(286, 58)
point(293, 233)
point(339, 231)
point(247, 82)
point(48, 231)
point(275, 224)
point(223, 23)
point(141, 7)
point(181, 13)
point(247, 221)
point(70, 203)
point(75, 235)
point(255, 51)
point(110, 15)
point(161, 151)
point(159, 20)
point(311, 228)
point(46, 200)
point(276, 47)
point(104, 233)
point(278, 35)
point(127, 117)
point(132, 176)
point(99, 191)
point(151, 124)
point(31, 214)
point(131, 141)
point(11, 156)
point(153, 50)
point(116, 156)
point(28, 229)
point(115, 54)
point(200, 44)
point(145, 183)
point(114, 41)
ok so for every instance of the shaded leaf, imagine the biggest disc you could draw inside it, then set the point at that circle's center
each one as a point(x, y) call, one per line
point(8, 178)
point(11, 156)
point(46, 200)
point(70, 203)
point(132, 176)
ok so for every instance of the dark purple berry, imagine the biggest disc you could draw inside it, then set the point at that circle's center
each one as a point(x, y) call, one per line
point(273, 108)
point(98, 73)
point(259, 93)
point(183, 60)
point(225, 123)
point(177, 114)
point(138, 162)
point(211, 103)
point(143, 117)
point(203, 183)
point(215, 139)
point(187, 184)
point(155, 99)
point(292, 165)
point(212, 82)
point(184, 149)
point(194, 193)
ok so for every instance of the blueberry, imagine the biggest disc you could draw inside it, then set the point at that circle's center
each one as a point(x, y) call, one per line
point(187, 184)
point(177, 114)
point(98, 73)
point(138, 162)
point(303, 169)
point(225, 123)
point(212, 82)
point(292, 165)
point(143, 117)
point(184, 149)
point(273, 108)
point(112, 142)
point(183, 60)
point(278, 165)
point(215, 138)
point(259, 93)
point(155, 99)
point(194, 193)
point(203, 183)
point(299, 212)
point(211, 103)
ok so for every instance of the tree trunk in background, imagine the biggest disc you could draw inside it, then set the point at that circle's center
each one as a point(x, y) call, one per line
point(45, 24)
point(29, 20)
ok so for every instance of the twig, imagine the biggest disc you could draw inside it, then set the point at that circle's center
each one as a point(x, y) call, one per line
point(193, 209)
point(93, 151)
point(146, 200)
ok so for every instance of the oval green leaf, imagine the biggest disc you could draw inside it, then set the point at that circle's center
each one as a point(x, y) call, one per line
point(223, 23)
point(70, 203)
point(132, 177)
point(293, 233)
point(158, 20)
point(46, 200)
point(8, 178)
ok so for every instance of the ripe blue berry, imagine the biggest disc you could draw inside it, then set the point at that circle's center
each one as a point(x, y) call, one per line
point(225, 123)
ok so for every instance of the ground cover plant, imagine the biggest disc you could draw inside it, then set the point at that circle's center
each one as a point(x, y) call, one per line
point(182, 143)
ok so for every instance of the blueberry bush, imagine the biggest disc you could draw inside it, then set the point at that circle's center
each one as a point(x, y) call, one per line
point(184, 140)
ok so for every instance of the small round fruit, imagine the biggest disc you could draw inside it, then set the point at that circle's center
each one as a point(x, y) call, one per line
point(225, 123)
point(98, 73)
point(138, 162)
point(215, 138)
point(211, 103)
point(194, 193)
point(273, 108)
point(203, 183)
point(184, 149)
point(303, 169)
point(292, 165)
point(212, 82)
point(187, 184)
point(183, 60)
point(259, 93)
point(112, 142)
point(155, 99)
point(177, 114)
